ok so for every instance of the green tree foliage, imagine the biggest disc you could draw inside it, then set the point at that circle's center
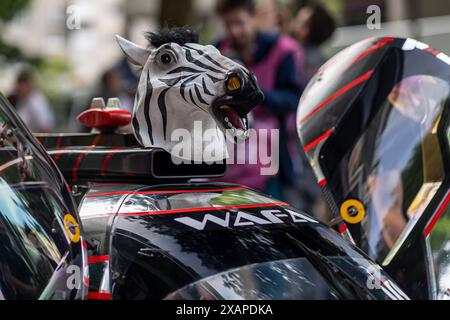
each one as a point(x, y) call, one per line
point(10, 8)
point(10, 53)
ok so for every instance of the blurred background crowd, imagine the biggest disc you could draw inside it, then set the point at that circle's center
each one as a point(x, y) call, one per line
point(55, 55)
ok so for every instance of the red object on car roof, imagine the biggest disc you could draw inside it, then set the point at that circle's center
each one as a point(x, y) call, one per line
point(104, 117)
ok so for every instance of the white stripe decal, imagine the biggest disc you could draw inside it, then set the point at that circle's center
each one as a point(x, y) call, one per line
point(443, 57)
point(410, 44)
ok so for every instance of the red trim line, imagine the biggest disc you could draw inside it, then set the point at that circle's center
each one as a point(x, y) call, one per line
point(376, 46)
point(342, 228)
point(338, 93)
point(433, 51)
point(112, 193)
point(86, 281)
point(59, 141)
point(174, 211)
point(316, 141)
point(323, 182)
point(99, 296)
point(437, 215)
point(106, 159)
point(97, 259)
point(78, 162)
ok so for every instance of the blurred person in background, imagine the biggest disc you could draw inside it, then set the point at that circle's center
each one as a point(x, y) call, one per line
point(313, 26)
point(113, 83)
point(272, 16)
point(276, 60)
point(112, 86)
point(31, 104)
point(119, 81)
point(267, 15)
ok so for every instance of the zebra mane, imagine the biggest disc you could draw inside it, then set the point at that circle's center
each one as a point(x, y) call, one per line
point(179, 35)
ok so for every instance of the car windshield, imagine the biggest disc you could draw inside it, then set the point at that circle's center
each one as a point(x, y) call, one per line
point(297, 279)
point(392, 166)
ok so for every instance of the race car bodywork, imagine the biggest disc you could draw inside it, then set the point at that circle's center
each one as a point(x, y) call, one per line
point(159, 234)
point(218, 241)
point(374, 123)
point(42, 251)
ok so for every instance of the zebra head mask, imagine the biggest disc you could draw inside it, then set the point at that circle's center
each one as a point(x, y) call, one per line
point(184, 87)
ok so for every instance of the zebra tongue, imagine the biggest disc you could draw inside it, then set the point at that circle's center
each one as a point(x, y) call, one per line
point(234, 118)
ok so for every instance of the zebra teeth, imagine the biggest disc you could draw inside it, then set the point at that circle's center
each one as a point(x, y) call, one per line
point(230, 120)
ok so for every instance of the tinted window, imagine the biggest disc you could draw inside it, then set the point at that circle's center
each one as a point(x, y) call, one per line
point(296, 279)
point(396, 165)
point(32, 241)
point(387, 155)
point(279, 280)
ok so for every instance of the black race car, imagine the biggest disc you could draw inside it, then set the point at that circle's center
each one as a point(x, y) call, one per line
point(154, 231)
point(155, 235)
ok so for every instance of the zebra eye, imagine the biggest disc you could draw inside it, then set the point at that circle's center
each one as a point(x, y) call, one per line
point(166, 58)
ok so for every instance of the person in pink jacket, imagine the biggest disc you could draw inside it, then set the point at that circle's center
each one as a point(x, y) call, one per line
point(276, 60)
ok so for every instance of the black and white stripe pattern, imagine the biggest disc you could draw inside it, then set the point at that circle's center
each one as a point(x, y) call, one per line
point(178, 84)
point(196, 81)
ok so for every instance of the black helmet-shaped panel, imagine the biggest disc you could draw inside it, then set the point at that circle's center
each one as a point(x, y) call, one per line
point(374, 125)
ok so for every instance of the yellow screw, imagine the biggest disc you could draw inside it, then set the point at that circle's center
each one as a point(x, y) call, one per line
point(352, 211)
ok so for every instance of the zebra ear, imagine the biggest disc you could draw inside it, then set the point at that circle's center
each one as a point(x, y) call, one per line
point(136, 54)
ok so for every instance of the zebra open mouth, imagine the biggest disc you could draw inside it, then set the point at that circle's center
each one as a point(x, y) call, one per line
point(231, 116)
point(242, 95)
point(231, 119)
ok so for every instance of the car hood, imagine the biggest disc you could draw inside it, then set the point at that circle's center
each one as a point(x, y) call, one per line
point(174, 235)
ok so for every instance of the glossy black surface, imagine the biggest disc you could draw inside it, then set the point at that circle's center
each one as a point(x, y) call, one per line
point(112, 157)
point(346, 129)
point(36, 253)
point(167, 236)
